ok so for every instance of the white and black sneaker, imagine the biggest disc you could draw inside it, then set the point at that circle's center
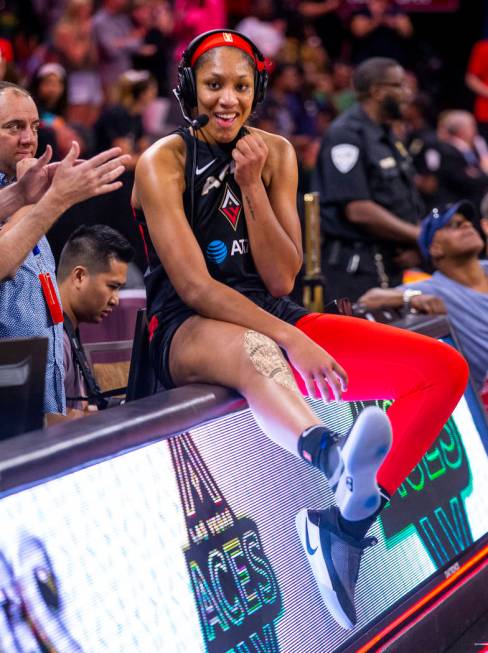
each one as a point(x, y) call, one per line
point(334, 557)
point(357, 493)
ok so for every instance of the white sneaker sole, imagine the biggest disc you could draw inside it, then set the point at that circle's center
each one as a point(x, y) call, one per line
point(320, 572)
point(357, 494)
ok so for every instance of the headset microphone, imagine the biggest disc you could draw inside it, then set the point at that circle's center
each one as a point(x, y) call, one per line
point(200, 121)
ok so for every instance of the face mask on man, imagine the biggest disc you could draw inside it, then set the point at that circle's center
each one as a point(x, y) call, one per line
point(390, 109)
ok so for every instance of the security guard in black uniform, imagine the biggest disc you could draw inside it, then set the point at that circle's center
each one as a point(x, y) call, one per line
point(370, 207)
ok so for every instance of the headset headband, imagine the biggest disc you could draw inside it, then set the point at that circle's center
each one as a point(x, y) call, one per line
point(186, 92)
point(220, 39)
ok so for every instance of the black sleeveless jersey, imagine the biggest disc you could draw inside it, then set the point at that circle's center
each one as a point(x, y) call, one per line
point(213, 205)
point(217, 221)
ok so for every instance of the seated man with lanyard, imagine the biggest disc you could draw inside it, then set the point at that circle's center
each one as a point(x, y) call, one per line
point(92, 269)
point(29, 303)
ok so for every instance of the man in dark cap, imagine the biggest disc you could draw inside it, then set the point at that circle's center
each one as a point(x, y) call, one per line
point(451, 239)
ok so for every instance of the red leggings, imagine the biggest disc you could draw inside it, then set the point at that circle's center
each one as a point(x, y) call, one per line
point(425, 378)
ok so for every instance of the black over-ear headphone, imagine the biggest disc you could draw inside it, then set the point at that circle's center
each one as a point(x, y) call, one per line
point(186, 90)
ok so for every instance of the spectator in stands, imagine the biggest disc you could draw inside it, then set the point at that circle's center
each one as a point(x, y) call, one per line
point(293, 115)
point(369, 204)
point(381, 29)
point(314, 65)
point(477, 81)
point(322, 16)
point(117, 40)
point(343, 96)
point(8, 72)
point(320, 85)
point(74, 40)
point(422, 143)
point(92, 269)
point(462, 170)
point(484, 220)
point(121, 124)
point(49, 92)
point(451, 240)
point(264, 27)
point(158, 22)
point(195, 16)
point(29, 303)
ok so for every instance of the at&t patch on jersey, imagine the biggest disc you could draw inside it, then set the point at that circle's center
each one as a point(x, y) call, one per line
point(217, 251)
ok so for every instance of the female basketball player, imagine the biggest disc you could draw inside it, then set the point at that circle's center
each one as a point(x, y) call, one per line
point(219, 199)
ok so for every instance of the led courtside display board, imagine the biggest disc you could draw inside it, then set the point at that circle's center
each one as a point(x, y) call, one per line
point(189, 545)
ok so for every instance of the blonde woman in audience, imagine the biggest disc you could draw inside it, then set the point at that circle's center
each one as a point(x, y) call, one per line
point(73, 39)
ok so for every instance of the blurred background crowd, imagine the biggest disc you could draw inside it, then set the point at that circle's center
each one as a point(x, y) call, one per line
point(102, 72)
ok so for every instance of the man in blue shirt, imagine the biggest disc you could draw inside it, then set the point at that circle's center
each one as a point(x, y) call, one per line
point(459, 286)
point(27, 260)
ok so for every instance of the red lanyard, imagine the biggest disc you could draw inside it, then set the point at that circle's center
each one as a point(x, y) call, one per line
point(48, 290)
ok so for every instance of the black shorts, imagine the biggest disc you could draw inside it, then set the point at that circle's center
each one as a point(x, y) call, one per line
point(282, 307)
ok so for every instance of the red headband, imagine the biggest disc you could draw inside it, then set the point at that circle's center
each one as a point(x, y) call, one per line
point(226, 38)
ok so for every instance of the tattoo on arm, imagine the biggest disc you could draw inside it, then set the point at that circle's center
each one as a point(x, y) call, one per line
point(253, 215)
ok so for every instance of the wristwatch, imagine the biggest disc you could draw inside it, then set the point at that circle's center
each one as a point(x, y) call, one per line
point(408, 294)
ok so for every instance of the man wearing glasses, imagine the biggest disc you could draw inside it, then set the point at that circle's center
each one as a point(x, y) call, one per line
point(451, 240)
point(370, 207)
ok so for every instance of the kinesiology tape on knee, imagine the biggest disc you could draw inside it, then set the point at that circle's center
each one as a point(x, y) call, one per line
point(268, 359)
point(319, 447)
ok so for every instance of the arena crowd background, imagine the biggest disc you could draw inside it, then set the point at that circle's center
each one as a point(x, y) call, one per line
point(102, 509)
point(102, 71)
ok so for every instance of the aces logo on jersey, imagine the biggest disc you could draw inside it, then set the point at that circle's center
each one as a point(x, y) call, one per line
point(231, 207)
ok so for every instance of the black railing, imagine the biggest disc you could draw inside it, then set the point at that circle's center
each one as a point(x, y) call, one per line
point(34, 457)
